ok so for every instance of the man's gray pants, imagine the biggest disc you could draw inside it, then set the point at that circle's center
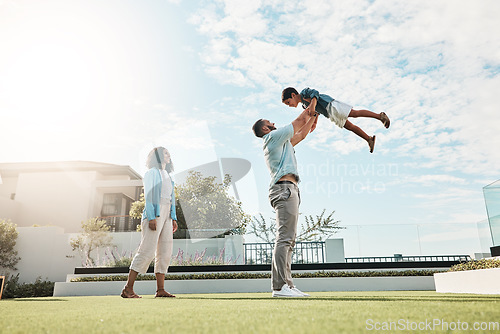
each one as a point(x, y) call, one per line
point(285, 199)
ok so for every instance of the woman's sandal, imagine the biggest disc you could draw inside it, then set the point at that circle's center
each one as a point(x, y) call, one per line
point(385, 120)
point(371, 143)
point(163, 295)
point(125, 295)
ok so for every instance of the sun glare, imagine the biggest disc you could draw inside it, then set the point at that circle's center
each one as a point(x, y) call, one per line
point(49, 80)
point(61, 70)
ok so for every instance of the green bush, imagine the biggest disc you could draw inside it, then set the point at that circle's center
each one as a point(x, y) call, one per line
point(245, 275)
point(112, 258)
point(8, 238)
point(476, 264)
point(123, 262)
point(14, 289)
point(94, 236)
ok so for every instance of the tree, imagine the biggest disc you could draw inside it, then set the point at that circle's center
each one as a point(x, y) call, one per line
point(203, 204)
point(95, 235)
point(265, 231)
point(8, 238)
point(318, 228)
point(136, 209)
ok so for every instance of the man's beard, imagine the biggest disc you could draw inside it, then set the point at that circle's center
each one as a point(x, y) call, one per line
point(271, 127)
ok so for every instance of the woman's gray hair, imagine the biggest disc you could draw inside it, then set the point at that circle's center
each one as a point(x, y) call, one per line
point(156, 159)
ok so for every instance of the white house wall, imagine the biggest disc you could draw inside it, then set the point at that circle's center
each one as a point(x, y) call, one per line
point(54, 198)
point(45, 251)
point(9, 209)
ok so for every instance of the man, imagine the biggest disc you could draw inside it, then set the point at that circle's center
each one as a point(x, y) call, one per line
point(284, 193)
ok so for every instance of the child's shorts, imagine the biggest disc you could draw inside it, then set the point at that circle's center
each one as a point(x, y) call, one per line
point(338, 112)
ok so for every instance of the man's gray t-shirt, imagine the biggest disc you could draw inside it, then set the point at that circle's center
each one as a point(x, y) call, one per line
point(279, 153)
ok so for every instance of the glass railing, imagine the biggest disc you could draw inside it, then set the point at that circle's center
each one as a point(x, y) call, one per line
point(415, 239)
point(492, 200)
point(400, 241)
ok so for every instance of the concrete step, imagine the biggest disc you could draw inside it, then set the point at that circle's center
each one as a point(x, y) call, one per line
point(400, 283)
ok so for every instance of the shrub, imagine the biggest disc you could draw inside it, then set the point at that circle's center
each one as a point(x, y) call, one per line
point(123, 262)
point(95, 235)
point(112, 258)
point(14, 289)
point(199, 259)
point(476, 264)
point(137, 208)
point(318, 228)
point(8, 237)
point(246, 275)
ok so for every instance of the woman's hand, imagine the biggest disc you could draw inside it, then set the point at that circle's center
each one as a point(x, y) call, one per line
point(174, 226)
point(152, 224)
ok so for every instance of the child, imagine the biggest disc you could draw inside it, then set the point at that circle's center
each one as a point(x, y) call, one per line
point(336, 111)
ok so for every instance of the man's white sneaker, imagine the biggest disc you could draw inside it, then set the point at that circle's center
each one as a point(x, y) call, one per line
point(300, 292)
point(286, 292)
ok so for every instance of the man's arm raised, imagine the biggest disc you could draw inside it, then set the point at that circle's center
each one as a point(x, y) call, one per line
point(304, 131)
point(314, 124)
point(300, 121)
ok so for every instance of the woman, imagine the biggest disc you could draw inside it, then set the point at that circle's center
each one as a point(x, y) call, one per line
point(159, 222)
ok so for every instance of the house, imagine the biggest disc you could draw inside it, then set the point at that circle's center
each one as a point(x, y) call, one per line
point(58, 196)
point(64, 194)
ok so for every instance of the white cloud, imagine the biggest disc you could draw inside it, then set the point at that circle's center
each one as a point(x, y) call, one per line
point(430, 180)
point(240, 17)
point(188, 139)
point(432, 66)
point(217, 52)
point(228, 76)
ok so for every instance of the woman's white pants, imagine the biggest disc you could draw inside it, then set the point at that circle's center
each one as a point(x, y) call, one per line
point(155, 244)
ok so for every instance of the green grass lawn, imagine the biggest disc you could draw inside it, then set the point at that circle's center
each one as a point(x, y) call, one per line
point(324, 312)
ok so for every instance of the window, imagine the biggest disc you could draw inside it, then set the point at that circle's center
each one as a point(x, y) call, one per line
point(111, 205)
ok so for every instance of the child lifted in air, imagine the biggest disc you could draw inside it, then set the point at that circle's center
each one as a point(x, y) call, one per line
point(336, 111)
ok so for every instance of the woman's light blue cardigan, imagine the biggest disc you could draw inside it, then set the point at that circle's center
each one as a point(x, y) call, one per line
point(152, 195)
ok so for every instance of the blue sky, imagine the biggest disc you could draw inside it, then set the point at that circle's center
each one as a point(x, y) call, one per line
point(107, 81)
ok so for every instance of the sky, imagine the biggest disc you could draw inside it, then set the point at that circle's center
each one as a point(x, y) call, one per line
point(108, 80)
